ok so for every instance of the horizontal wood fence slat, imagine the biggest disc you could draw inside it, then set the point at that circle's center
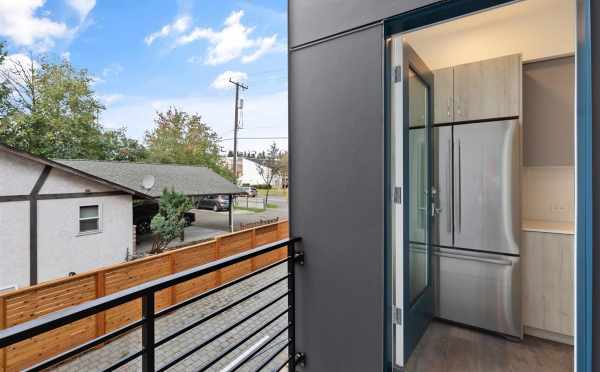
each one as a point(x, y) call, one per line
point(29, 303)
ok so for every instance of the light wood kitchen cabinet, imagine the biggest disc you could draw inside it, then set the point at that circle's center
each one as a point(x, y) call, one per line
point(443, 82)
point(548, 284)
point(488, 89)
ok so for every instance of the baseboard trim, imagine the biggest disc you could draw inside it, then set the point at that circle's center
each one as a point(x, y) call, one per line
point(548, 335)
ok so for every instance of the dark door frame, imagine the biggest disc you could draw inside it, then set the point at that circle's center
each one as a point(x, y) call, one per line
point(446, 10)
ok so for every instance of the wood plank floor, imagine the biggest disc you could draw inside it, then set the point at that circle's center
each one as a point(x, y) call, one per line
point(450, 348)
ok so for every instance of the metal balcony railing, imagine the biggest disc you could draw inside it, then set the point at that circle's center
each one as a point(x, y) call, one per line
point(149, 317)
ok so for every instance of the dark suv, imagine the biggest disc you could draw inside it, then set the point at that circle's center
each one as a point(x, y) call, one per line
point(216, 203)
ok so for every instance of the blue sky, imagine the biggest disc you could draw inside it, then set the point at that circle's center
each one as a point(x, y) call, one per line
point(148, 55)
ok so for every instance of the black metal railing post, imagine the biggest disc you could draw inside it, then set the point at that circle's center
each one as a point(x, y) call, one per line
point(291, 303)
point(148, 332)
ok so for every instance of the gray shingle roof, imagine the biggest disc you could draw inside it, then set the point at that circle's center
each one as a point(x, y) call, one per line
point(186, 179)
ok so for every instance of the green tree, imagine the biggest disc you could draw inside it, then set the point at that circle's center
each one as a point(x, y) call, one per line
point(53, 112)
point(169, 223)
point(184, 138)
point(271, 167)
point(117, 146)
point(4, 88)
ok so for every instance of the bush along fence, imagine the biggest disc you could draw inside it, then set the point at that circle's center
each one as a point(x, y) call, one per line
point(32, 302)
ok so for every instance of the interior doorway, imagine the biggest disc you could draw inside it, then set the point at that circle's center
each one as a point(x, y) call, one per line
point(482, 114)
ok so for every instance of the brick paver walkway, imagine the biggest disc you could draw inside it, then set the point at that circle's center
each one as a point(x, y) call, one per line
point(102, 358)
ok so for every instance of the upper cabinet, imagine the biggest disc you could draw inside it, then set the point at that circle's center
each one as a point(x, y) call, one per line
point(443, 82)
point(480, 90)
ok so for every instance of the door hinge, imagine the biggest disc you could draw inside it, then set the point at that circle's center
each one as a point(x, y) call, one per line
point(300, 359)
point(396, 315)
point(398, 195)
point(398, 74)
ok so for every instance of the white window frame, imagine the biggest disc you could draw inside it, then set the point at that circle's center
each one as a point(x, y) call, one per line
point(78, 218)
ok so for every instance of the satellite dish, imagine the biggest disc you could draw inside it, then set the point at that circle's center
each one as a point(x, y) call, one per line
point(148, 181)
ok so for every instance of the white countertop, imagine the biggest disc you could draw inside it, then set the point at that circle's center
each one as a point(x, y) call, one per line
point(549, 227)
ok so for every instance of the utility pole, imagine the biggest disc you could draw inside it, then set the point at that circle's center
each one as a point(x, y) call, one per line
point(238, 85)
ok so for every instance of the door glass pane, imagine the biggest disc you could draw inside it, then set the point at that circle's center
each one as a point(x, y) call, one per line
point(418, 160)
point(417, 95)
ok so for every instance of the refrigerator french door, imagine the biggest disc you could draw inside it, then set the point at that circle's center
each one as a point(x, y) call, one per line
point(476, 231)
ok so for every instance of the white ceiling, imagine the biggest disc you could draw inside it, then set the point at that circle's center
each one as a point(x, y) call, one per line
point(535, 28)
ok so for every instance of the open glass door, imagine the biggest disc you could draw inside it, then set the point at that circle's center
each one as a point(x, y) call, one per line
point(411, 108)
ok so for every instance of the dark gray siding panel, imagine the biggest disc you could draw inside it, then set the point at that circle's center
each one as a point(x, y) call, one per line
point(336, 174)
point(315, 19)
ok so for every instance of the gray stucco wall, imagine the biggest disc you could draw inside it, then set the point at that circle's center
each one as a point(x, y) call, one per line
point(336, 163)
point(336, 142)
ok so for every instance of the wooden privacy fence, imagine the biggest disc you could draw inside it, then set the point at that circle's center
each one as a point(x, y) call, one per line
point(32, 302)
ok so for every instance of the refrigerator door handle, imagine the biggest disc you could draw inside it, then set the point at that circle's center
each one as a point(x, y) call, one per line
point(449, 190)
point(473, 258)
point(459, 193)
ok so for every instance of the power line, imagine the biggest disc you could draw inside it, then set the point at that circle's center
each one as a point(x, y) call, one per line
point(253, 138)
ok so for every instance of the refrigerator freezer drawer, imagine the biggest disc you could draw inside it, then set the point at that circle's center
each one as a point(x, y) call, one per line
point(478, 289)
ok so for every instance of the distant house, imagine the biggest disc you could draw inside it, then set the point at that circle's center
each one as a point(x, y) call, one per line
point(64, 216)
point(248, 174)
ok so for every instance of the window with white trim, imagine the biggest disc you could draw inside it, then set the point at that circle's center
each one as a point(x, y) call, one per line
point(89, 219)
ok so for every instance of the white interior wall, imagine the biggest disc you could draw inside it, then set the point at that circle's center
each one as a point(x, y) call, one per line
point(548, 194)
point(535, 28)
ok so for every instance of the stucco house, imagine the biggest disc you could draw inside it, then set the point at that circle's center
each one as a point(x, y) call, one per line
point(63, 216)
point(248, 172)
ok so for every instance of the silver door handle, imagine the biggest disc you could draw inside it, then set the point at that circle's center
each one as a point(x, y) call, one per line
point(459, 217)
point(449, 190)
point(472, 258)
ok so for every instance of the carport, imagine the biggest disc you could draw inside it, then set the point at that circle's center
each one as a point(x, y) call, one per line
point(152, 179)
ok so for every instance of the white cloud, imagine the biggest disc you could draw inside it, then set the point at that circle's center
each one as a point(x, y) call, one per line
point(66, 56)
point(222, 81)
point(231, 42)
point(15, 64)
point(265, 45)
point(19, 23)
point(109, 99)
point(112, 70)
point(179, 25)
point(83, 7)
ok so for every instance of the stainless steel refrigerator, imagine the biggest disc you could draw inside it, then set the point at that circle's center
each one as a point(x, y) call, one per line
point(476, 225)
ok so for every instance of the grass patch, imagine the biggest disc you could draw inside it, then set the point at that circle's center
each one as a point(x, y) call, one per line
point(273, 192)
point(272, 205)
point(254, 210)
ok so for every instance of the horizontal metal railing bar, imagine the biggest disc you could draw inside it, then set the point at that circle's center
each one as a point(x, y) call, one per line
point(285, 363)
point(251, 355)
point(88, 345)
point(203, 344)
point(124, 361)
point(71, 314)
point(217, 312)
point(190, 301)
point(242, 341)
point(266, 362)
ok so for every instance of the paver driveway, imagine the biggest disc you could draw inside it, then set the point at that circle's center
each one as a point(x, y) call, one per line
point(102, 358)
